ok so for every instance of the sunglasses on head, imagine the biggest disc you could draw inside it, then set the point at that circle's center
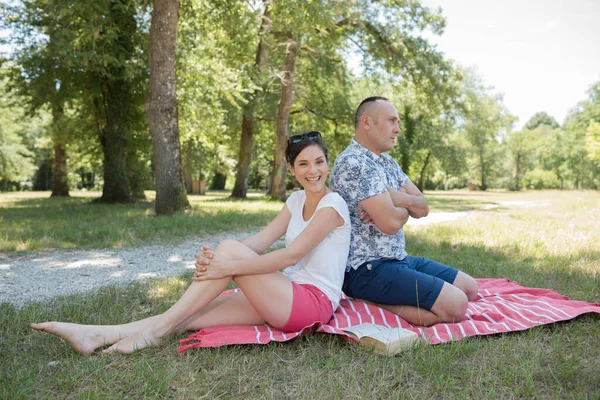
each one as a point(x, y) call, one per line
point(314, 135)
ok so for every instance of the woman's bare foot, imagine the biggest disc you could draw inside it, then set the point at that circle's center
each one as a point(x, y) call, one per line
point(135, 342)
point(82, 338)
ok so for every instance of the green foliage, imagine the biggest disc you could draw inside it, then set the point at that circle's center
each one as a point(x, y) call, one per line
point(541, 118)
point(85, 64)
point(485, 121)
point(16, 160)
point(592, 141)
point(540, 179)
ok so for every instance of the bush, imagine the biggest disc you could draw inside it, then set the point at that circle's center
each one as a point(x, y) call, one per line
point(540, 179)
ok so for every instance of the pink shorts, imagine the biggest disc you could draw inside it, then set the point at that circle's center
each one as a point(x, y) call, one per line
point(309, 305)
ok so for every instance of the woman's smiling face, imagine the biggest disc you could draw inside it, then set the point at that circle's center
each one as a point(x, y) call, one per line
point(310, 168)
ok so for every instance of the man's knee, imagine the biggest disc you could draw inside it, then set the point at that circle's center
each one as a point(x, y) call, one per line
point(451, 304)
point(467, 284)
point(472, 289)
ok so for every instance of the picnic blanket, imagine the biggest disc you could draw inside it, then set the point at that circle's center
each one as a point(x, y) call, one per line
point(501, 306)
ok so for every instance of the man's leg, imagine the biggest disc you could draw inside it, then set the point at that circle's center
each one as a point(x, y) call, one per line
point(446, 273)
point(417, 297)
point(467, 284)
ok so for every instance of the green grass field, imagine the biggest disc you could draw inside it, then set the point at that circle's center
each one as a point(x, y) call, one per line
point(541, 239)
point(34, 221)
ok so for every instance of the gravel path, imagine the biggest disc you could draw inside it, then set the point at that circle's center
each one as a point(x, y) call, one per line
point(42, 276)
point(45, 275)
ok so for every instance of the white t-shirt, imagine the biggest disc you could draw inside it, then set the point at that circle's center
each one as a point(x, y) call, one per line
point(323, 266)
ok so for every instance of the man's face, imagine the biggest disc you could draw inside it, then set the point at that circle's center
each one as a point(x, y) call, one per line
point(384, 127)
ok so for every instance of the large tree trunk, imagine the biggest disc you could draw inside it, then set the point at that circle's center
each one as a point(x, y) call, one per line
point(240, 188)
point(517, 174)
point(60, 184)
point(482, 162)
point(114, 107)
point(421, 182)
point(161, 109)
point(286, 100)
point(113, 137)
point(410, 130)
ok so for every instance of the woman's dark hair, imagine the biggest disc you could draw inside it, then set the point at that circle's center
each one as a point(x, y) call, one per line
point(297, 143)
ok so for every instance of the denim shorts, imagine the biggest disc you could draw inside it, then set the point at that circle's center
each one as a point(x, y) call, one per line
point(413, 281)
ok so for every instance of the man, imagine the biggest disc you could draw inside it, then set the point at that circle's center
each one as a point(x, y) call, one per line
point(380, 198)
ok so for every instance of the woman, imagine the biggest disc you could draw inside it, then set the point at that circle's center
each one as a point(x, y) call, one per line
point(316, 225)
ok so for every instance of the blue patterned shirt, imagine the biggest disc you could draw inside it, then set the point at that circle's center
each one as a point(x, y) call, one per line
point(357, 175)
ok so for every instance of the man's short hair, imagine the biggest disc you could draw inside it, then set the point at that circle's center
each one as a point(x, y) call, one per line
point(362, 107)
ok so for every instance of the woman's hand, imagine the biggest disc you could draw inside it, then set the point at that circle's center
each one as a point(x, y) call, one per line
point(211, 265)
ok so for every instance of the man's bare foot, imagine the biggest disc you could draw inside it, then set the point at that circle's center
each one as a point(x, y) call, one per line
point(82, 338)
point(135, 342)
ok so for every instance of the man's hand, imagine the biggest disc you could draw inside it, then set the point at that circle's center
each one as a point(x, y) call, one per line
point(365, 217)
point(411, 198)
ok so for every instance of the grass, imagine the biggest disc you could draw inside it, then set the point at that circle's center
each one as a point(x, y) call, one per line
point(540, 239)
point(33, 221)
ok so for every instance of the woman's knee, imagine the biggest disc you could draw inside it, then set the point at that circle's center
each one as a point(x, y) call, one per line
point(234, 250)
point(227, 246)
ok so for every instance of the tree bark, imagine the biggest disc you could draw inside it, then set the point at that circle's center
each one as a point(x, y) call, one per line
point(112, 140)
point(410, 130)
point(161, 109)
point(240, 187)
point(286, 100)
point(517, 174)
point(114, 106)
point(421, 182)
point(60, 184)
point(481, 160)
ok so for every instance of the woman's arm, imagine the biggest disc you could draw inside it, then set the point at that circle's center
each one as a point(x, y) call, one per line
point(271, 233)
point(324, 221)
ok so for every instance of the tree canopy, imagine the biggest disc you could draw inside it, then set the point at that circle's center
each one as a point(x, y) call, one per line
point(249, 74)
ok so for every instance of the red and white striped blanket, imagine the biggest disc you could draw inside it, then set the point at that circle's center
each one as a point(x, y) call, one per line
point(502, 306)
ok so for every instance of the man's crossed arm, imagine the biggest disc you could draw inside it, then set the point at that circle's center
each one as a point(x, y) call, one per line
point(389, 211)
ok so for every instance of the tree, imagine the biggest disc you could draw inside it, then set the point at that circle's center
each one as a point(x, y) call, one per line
point(592, 141)
point(38, 74)
point(86, 53)
point(578, 167)
point(485, 120)
point(540, 118)
point(15, 159)
point(521, 145)
point(278, 186)
point(257, 79)
point(161, 108)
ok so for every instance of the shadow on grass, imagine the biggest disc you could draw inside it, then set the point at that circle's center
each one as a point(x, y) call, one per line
point(39, 224)
point(534, 363)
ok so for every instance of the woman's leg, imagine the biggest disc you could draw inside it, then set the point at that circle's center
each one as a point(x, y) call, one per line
point(269, 295)
point(86, 338)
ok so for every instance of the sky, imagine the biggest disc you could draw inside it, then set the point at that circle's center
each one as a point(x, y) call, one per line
point(542, 55)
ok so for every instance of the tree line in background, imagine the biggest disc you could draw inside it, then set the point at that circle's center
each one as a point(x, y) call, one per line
point(118, 96)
